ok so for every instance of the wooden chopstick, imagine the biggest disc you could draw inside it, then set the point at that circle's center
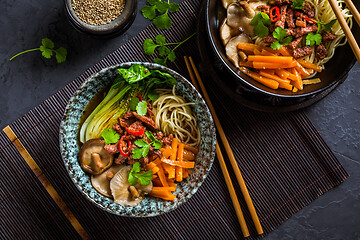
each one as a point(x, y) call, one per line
point(230, 154)
point(224, 170)
point(354, 46)
point(353, 10)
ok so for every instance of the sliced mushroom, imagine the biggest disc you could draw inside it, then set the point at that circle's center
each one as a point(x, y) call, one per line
point(226, 32)
point(226, 3)
point(102, 182)
point(94, 158)
point(232, 50)
point(240, 14)
point(123, 193)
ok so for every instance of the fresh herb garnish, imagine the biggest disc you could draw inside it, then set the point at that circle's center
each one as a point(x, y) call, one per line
point(161, 21)
point(298, 4)
point(47, 50)
point(133, 103)
point(280, 34)
point(313, 38)
point(149, 47)
point(326, 26)
point(144, 146)
point(135, 175)
point(110, 136)
point(261, 21)
point(141, 108)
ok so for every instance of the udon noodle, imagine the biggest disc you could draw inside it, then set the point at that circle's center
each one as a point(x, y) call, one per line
point(173, 115)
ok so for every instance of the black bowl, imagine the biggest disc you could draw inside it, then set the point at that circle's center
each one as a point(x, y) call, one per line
point(335, 70)
point(113, 28)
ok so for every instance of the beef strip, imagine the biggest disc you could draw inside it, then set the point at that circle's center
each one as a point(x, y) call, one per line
point(120, 159)
point(301, 31)
point(128, 115)
point(111, 148)
point(326, 36)
point(166, 141)
point(294, 44)
point(118, 129)
point(279, 2)
point(124, 122)
point(148, 121)
point(135, 126)
point(302, 52)
point(264, 8)
point(320, 52)
point(290, 18)
point(281, 22)
point(308, 9)
point(269, 39)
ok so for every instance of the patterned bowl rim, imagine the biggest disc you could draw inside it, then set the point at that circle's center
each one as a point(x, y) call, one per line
point(66, 158)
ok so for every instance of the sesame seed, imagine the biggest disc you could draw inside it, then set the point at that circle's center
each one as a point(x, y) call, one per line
point(98, 12)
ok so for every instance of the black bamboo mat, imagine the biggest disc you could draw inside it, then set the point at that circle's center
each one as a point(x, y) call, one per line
point(284, 161)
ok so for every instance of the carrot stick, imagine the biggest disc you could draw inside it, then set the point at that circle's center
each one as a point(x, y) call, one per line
point(302, 70)
point(308, 64)
point(180, 156)
point(311, 81)
point(162, 189)
point(283, 51)
point(157, 161)
point(248, 46)
point(166, 152)
point(298, 81)
point(269, 71)
point(273, 65)
point(282, 73)
point(172, 184)
point(286, 86)
point(271, 76)
point(270, 59)
point(292, 75)
point(246, 64)
point(154, 176)
point(182, 164)
point(174, 145)
point(266, 81)
point(295, 89)
point(186, 173)
point(265, 52)
point(162, 177)
point(257, 51)
point(169, 169)
point(191, 148)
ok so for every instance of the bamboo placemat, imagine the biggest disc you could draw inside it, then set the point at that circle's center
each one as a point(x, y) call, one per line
point(285, 163)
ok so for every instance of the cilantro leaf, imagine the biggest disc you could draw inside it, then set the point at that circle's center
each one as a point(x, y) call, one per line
point(153, 2)
point(145, 178)
point(160, 61)
point(261, 30)
point(153, 96)
point(163, 51)
point(286, 41)
point(149, 46)
point(141, 108)
point(160, 39)
point(61, 54)
point(110, 136)
point(172, 56)
point(133, 103)
point(298, 4)
point(157, 144)
point(312, 39)
point(279, 33)
point(135, 175)
point(265, 19)
point(141, 143)
point(174, 7)
point(149, 12)
point(137, 153)
point(47, 43)
point(162, 21)
point(162, 6)
point(150, 136)
point(47, 53)
point(329, 25)
point(275, 45)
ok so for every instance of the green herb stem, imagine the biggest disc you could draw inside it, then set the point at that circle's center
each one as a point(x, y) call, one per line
point(180, 43)
point(30, 50)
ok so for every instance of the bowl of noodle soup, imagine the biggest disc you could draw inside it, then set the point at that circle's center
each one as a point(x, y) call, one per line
point(178, 109)
point(335, 66)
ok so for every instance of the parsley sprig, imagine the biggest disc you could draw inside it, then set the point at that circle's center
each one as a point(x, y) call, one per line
point(144, 146)
point(316, 38)
point(157, 11)
point(280, 34)
point(135, 175)
point(261, 21)
point(47, 50)
point(149, 47)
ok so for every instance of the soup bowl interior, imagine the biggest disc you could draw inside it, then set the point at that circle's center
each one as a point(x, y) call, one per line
point(150, 206)
point(335, 70)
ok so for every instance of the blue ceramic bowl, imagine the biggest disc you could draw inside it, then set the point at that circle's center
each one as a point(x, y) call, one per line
point(150, 206)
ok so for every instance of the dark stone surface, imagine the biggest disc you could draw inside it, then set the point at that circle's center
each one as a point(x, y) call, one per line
point(30, 79)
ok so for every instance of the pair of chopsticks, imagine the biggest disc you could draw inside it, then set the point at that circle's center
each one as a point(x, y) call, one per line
point(350, 37)
point(192, 69)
